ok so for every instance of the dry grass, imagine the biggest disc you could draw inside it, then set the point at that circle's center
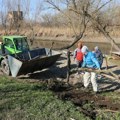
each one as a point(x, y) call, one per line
point(63, 32)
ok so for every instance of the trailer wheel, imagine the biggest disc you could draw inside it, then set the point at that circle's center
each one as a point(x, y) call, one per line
point(5, 67)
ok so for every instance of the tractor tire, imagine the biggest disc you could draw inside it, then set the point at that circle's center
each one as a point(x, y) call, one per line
point(5, 67)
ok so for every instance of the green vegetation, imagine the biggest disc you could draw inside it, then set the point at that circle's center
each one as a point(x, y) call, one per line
point(24, 100)
point(114, 96)
point(20, 100)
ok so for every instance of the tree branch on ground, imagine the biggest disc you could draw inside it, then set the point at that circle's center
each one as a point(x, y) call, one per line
point(110, 73)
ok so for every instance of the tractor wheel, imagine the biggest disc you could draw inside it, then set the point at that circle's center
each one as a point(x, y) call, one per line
point(5, 67)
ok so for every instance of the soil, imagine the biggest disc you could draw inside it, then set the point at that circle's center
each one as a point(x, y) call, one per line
point(81, 98)
point(87, 101)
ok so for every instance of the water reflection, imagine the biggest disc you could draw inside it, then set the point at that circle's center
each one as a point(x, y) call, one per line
point(105, 47)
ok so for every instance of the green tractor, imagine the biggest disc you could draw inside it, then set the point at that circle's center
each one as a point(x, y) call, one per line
point(16, 58)
point(15, 44)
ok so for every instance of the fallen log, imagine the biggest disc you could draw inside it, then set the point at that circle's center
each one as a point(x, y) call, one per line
point(93, 70)
point(116, 76)
point(108, 72)
point(108, 76)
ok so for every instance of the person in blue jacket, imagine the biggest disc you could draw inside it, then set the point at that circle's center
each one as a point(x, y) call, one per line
point(90, 61)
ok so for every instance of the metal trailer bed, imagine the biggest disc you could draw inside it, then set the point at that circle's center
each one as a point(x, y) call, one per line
point(30, 61)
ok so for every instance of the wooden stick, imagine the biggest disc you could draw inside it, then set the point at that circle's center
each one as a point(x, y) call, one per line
point(108, 76)
point(93, 70)
point(68, 66)
point(116, 76)
point(106, 62)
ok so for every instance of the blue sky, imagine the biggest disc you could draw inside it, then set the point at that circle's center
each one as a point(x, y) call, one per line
point(51, 11)
point(36, 4)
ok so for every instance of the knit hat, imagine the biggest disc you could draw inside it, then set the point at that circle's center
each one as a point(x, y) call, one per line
point(84, 49)
point(96, 48)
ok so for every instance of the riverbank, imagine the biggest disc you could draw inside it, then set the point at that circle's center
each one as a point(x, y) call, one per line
point(98, 39)
point(58, 43)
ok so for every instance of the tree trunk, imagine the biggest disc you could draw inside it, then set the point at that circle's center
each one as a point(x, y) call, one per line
point(68, 66)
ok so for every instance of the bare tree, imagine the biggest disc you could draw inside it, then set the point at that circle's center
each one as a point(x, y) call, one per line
point(82, 23)
point(9, 7)
point(32, 15)
point(86, 12)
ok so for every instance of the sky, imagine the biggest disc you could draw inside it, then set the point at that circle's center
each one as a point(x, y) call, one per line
point(47, 9)
point(36, 3)
point(40, 5)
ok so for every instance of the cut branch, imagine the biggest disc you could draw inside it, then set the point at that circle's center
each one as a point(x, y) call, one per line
point(101, 6)
point(108, 72)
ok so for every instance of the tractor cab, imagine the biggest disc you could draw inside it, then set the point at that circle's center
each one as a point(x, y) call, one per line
point(15, 44)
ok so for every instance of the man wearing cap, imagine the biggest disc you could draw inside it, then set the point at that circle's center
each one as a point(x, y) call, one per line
point(90, 61)
point(98, 55)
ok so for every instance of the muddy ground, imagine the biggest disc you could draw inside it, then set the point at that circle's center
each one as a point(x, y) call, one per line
point(85, 99)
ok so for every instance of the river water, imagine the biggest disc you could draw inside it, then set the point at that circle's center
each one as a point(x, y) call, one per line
point(104, 47)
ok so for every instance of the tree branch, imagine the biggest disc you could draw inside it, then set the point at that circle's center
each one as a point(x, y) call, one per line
point(80, 35)
point(100, 72)
point(99, 27)
point(77, 38)
point(102, 6)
